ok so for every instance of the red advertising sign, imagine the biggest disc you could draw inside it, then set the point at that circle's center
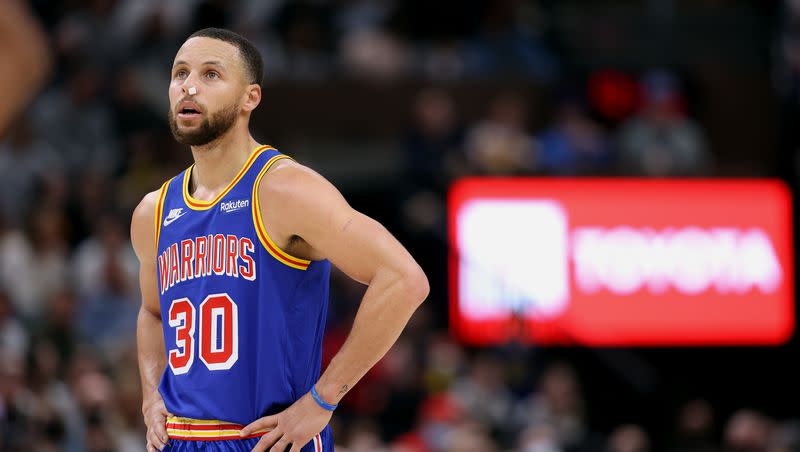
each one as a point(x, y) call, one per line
point(621, 261)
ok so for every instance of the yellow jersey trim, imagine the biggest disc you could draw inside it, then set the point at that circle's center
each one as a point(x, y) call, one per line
point(261, 230)
point(162, 195)
point(198, 204)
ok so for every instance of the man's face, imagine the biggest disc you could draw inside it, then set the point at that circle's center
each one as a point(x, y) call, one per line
point(215, 70)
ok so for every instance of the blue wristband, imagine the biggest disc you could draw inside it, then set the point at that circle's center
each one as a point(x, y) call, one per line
point(321, 402)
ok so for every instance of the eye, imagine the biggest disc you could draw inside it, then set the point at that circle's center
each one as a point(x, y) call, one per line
point(212, 74)
point(180, 73)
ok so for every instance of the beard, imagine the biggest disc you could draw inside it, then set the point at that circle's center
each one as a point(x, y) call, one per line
point(213, 126)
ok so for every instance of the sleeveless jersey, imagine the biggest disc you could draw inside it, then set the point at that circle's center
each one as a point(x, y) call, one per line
point(243, 320)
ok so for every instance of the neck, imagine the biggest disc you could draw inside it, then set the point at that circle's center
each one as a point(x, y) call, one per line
point(218, 162)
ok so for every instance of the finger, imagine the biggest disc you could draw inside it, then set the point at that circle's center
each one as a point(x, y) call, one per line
point(267, 440)
point(265, 423)
point(160, 430)
point(152, 447)
point(295, 448)
point(155, 446)
point(153, 439)
point(280, 446)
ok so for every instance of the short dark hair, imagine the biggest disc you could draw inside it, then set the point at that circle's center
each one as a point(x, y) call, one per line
point(254, 65)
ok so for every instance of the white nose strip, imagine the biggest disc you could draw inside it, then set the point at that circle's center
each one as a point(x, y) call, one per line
point(192, 90)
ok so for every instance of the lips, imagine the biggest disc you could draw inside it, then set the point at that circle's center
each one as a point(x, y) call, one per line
point(188, 110)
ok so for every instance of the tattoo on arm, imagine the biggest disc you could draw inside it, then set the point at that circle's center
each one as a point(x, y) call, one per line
point(342, 391)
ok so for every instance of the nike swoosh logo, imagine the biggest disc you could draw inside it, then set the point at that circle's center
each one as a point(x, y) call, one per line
point(169, 220)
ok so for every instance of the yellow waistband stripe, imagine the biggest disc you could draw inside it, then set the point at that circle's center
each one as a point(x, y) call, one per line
point(214, 430)
point(205, 430)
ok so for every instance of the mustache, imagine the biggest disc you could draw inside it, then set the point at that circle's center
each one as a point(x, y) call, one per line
point(188, 99)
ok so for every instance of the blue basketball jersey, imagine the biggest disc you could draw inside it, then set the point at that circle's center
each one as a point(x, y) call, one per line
point(243, 320)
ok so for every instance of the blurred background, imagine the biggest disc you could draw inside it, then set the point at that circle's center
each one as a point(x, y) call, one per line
point(393, 100)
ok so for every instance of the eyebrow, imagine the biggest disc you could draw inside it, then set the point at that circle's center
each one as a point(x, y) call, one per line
point(209, 63)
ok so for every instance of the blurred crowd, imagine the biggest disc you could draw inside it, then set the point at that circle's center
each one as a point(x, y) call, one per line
point(96, 140)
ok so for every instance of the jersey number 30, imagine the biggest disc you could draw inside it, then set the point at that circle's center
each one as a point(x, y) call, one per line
point(218, 335)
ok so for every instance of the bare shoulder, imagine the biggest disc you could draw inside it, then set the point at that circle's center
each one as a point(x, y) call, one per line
point(296, 188)
point(289, 178)
point(146, 209)
point(143, 224)
point(299, 206)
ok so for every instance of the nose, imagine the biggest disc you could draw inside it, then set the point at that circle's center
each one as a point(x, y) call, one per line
point(189, 85)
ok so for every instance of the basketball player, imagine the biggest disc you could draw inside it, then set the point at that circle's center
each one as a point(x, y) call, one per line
point(235, 254)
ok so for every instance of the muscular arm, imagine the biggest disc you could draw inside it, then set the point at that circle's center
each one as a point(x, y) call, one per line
point(302, 203)
point(149, 335)
point(24, 57)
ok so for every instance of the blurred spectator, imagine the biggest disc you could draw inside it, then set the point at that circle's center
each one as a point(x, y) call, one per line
point(77, 32)
point(444, 363)
point(469, 436)
point(25, 160)
point(34, 264)
point(558, 405)
point(433, 153)
point(483, 393)
point(539, 438)
point(500, 144)
point(98, 437)
point(505, 46)
point(59, 328)
point(46, 380)
point(146, 167)
point(133, 115)
point(305, 31)
point(105, 262)
point(404, 390)
point(788, 67)
point(362, 14)
point(89, 202)
point(375, 54)
point(574, 143)
point(695, 428)
point(661, 140)
point(105, 274)
point(433, 158)
point(14, 340)
point(785, 437)
point(434, 144)
point(628, 438)
point(79, 122)
point(438, 414)
point(127, 421)
point(786, 79)
point(364, 437)
point(15, 431)
point(747, 431)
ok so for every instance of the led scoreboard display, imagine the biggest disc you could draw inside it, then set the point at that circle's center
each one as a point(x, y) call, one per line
point(606, 262)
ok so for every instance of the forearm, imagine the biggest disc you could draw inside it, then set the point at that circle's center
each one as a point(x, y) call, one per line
point(152, 357)
point(385, 310)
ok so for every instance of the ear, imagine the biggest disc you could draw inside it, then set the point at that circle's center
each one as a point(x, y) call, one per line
point(252, 97)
